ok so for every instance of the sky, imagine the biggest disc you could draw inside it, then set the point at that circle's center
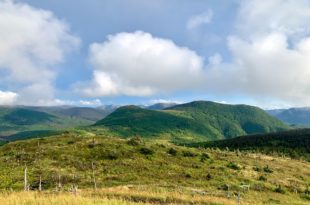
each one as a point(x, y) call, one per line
point(96, 52)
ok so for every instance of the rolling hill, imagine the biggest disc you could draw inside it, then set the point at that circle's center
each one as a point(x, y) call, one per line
point(195, 121)
point(24, 122)
point(21, 122)
point(294, 143)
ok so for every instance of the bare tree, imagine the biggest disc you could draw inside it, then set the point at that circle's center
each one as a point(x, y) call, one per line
point(25, 179)
point(94, 178)
point(40, 184)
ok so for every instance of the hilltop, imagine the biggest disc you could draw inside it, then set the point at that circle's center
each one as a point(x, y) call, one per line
point(195, 121)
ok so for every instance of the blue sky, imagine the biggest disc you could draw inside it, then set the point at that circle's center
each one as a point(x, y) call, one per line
point(137, 52)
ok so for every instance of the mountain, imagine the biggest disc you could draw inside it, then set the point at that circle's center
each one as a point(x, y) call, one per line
point(20, 122)
point(295, 143)
point(293, 116)
point(195, 121)
point(161, 106)
point(82, 113)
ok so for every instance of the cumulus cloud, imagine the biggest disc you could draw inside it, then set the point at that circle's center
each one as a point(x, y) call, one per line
point(270, 53)
point(7, 98)
point(32, 41)
point(200, 19)
point(138, 64)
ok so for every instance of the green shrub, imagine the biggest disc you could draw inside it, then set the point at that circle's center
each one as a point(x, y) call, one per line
point(135, 141)
point(234, 166)
point(262, 178)
point(280, 190)
point(204, 157)
point(257, 169)
point(267, 169)
point(172, 151)
point(209, 176)
point(146, 151)
point(189, 154)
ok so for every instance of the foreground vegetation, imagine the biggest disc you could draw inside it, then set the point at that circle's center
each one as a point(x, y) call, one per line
point(150, 171)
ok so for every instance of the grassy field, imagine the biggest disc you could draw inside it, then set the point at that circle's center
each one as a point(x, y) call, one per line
point(35, 198)
point(150, 171)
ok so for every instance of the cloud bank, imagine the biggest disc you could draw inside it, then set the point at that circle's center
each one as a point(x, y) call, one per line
point(32, 42)
point(270, 52)
point(138, 64)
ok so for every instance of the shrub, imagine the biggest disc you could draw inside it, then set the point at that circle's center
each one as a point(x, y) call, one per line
point(262, 178)
point(204, 156)
point(234, 166)
point(91, 146)
point(112, 155)
point(209, 176)
point(172, 151)
point(189, 154)
point(257, 169)
point(267, 169)
point(135, 141)
point(146, 151)
point(280, 190)
point(71, 142)
point(187, 175)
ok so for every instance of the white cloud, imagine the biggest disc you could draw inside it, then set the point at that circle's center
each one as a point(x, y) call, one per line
point(95, 102)
point(32, 41)
point(290, 17)
point(200, 19)
point(7, 98)
point(138, 64)
point(165, 101)
point(270, 52)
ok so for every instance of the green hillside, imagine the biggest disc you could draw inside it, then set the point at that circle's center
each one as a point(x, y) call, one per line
point(15, 121)
point(133, 168)
point(293, 143)
point(198, 120)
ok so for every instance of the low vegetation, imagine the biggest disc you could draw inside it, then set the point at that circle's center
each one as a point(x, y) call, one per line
point(73, 164)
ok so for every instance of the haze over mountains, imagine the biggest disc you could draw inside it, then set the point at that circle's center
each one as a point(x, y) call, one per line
point(293, 116)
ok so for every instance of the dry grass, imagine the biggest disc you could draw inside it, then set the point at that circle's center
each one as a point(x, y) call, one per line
point(35, 198)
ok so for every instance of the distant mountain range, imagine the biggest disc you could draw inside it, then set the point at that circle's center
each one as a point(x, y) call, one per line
point(23, 120)
point(195, 121)
point(293, 116)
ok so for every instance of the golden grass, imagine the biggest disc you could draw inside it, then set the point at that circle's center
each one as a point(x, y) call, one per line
point(35, 198)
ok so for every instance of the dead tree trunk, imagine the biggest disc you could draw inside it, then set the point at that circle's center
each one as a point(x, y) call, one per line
point(94, 178)
point(25, 180)
point(40, 184)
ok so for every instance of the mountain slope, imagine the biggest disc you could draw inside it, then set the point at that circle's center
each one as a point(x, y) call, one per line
point(76, 158)
point(23, 121)
point(198, 120)
point(295, 143)
point(294, 116)
point(83, 113)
